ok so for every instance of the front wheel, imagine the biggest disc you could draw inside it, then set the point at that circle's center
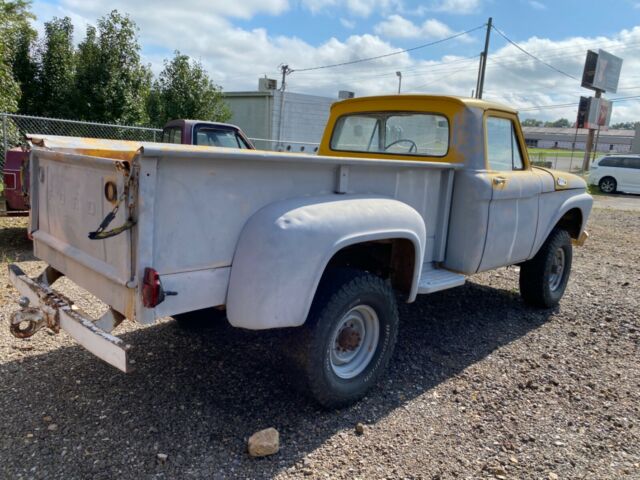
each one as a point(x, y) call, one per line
point(347, 341)
point(608, 185)
point(543, 279)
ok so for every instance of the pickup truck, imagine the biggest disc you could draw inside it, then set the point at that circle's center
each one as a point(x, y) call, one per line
point(188, 132)
point(408, 195)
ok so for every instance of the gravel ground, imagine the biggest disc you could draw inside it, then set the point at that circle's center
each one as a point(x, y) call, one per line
point(480, 387)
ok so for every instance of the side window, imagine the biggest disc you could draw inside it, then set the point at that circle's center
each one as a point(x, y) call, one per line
point(612, 162)
point(503, 151)
point(631, 162)
point(172, 135)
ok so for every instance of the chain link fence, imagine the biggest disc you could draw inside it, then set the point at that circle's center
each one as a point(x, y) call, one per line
point(14, 128)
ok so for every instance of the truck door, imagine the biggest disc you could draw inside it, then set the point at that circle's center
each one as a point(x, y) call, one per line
point(513, 210)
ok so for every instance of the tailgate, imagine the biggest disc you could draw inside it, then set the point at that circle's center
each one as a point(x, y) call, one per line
point(69, 200)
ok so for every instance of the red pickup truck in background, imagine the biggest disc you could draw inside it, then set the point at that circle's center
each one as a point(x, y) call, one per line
point(187, 132)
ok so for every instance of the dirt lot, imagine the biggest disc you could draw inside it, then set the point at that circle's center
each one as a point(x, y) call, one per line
point(480, 387)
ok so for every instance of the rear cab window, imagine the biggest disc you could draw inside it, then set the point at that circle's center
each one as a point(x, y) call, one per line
point(399, 133)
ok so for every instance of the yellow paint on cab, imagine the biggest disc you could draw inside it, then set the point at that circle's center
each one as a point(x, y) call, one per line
point(447, 106)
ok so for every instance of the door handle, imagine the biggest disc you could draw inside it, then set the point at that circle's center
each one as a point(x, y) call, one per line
point(499, 180)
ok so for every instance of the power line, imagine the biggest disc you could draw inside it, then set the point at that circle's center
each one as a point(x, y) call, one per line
point(563, 105)
point(360, 60)
point(532, 55)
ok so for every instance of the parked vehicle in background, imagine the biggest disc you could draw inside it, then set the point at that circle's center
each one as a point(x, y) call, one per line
point(188, 132)
point(408, 194)
point(616, 173)
point(200, 132)
point(16, 183)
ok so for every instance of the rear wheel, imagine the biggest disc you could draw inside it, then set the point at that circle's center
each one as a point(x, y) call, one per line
point(544, 278)
point(608, 185)
point(347, 341)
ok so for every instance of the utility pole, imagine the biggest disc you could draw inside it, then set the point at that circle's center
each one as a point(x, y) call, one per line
point(399, 75)
point(589, 146)
point(483, 60)
point(283, 85)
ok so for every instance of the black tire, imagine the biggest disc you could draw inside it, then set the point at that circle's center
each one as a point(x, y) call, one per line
point(340, 292)
point(608, 185)
point(540, 286)
point(205, 319)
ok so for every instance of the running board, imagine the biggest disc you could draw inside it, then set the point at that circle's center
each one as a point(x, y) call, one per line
point(433, 279)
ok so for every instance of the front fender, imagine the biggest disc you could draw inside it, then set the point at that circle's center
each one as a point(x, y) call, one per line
point(285, 247)
point(560, 203)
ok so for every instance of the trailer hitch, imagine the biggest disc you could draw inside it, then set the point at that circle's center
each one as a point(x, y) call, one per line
point(27, 321)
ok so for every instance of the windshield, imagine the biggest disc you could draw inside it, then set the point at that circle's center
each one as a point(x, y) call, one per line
point(420, 134)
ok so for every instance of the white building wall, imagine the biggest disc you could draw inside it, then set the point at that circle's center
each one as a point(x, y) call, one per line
point(305, 117)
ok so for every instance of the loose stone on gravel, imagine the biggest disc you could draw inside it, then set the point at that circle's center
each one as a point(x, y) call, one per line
point(263, 443)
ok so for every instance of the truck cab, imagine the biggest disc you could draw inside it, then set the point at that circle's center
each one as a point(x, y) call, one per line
point(200, 132)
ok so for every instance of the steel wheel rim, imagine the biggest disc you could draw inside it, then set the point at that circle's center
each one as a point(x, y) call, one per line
point(557, 269)
point(607, 186)
point(354, 341)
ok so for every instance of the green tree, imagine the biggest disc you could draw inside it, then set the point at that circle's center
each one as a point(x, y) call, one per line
point(560, 123)
point(25, 71)
point(57, 69)
point(531, 122)
point(14, 17)
point(624, 126)
point(123, 82)
point(88, 78)
point(184, 90)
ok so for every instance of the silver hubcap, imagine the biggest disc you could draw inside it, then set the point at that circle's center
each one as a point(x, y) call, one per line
point(354, 341)
point(607, 186)
point(557, 270)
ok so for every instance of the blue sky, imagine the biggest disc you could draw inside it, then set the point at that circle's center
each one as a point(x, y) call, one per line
point(243, 40)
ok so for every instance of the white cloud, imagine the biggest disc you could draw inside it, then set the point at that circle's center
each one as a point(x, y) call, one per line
point(396, 26)
point(362, 8)
point(350, 24)
point(457, 6)
point(239, 9)
point(537, 5)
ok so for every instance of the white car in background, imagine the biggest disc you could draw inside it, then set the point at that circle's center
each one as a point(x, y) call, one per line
point(616, 173)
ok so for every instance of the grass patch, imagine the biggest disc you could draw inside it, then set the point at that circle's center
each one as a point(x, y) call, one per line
point(553, 152)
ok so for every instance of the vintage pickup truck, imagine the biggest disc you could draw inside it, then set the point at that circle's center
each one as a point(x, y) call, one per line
point(408, 195)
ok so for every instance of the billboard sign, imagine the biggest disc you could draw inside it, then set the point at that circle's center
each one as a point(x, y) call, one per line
point(594, 113)
point(601, 71)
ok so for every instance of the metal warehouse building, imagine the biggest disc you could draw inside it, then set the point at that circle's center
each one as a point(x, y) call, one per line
point(298, 129)
point(568, 138)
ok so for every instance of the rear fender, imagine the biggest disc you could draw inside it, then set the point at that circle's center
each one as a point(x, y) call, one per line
point(285, 247)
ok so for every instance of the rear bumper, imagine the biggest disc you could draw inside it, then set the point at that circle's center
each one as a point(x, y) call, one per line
point(44, 307)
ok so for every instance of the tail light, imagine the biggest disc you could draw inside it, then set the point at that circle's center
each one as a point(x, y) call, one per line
point(152, 292)
point(9, 181)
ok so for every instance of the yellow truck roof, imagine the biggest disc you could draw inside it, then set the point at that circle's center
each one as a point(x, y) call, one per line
point(420, 102)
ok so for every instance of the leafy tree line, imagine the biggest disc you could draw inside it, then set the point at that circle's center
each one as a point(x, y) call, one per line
point(564, 123)
point(103, 79)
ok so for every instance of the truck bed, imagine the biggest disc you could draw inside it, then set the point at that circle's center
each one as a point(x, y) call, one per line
point(190, 204)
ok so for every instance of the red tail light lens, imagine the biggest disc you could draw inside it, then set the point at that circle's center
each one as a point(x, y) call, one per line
point(152, 293)
point(10, 181)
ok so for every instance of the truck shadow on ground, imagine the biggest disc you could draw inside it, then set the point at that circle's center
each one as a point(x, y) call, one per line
point(197, 395)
